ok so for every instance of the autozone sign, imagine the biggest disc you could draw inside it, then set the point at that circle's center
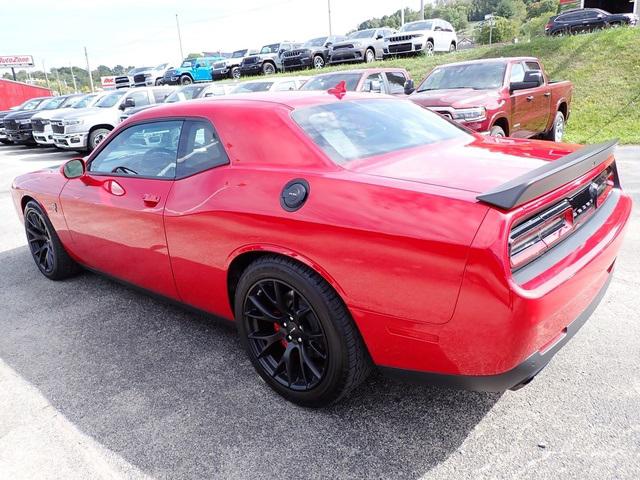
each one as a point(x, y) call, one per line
point(108, 82)
point(8, 61)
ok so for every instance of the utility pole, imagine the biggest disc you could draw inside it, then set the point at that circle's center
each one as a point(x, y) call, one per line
point(179, 38)
point(13, 72)
point(421, 9)
point(59, 84)
point(86, 56)
point(329, 8)
point(46, 77)
point(73, 77)
point(402, 16)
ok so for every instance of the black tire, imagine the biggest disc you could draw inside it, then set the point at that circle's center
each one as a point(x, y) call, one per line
point(318, 61)
point(6, 142)
point(452, 47)
point(369, 55)
point(235, 73)
point(268, 68)
point(46, 250)
point(346, 362)
point(95, 137)
point(497, 131)
point(428, 48)
point(556, 132)
point(186, 80)
point(158, 82)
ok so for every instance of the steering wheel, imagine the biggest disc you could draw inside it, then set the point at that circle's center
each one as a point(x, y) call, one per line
point(158, 157)
point(123, 169)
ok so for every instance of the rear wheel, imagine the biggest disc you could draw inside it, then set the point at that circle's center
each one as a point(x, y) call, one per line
point(497, 131)
point(298, 333)
point(186, 80)
point(47, 251)
point(557, 130)
point(452, 47)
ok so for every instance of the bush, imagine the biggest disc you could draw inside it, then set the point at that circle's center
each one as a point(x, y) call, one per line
point(513, 9)
point(504, 30)
point(534, 27)
point(546, 8)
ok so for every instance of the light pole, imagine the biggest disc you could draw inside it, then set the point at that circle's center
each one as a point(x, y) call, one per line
point(86, 56)
point(329, 7)
point(421, 9)
point(73, 77)
point(179, 37)
point(46, 77)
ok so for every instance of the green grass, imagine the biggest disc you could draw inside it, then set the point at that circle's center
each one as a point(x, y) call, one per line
point(603, 67)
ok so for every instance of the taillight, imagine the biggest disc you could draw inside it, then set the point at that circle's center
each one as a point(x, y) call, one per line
point(531, 238)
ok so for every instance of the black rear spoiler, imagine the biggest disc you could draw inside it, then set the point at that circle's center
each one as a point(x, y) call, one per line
point(548, 177)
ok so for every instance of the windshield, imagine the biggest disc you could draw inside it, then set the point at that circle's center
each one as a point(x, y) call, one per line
point(325, 82)
point(253, 87)
point(362, 34)
point(133, 71)
point(273, 48)
point(71, 101)
point(85, 101)
point(316, 42)
point(412, 27)
point(110, 100)
point(479, 76)
point(162, 66)
point(239, 53)
point(350, 130)
point(30, 104)
point(52, 104)
point(186, 93)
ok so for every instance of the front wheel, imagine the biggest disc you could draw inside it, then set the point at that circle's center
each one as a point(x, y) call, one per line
point(186, 80)
point(369, 55)
point(96, 137)
point(557, 130)
point(45, 247)
point(318, 61)
point(428, 49)
point(298, 334)
point(235, 73)
point(268, 68)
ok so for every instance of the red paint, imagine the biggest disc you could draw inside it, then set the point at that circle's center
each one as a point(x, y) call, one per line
point(422, 266)
point(14, 93)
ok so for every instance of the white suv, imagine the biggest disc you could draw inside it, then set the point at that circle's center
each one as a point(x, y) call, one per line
point(423, 36)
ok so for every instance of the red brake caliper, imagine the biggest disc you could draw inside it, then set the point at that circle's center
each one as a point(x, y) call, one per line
point(283, 342)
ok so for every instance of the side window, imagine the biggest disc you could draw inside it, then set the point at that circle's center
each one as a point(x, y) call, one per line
point(517, 73)
point(141, 98)
point(437, 26)
point(200, 149)
point(159, 94)
point(373, 83)
point(284, 86)
point(146, 150)
point(396, 82)
point(532, 66)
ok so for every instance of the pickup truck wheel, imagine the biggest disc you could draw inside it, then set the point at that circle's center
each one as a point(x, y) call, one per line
point(268, 68)
point(318, 61)
point(235, 73)
point(369, 55)
point(97, 136)
point(158, 82)
point(497, 131)
point(185, 80)
point(557, 130)
point(428, 48)
point(298, 333)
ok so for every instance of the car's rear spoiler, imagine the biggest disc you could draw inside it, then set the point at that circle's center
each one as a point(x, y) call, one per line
point(548, 177)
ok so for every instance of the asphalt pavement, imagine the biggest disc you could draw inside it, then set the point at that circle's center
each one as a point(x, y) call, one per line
point(100, 381)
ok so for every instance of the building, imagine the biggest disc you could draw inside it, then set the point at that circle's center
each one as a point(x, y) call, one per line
point(14, 93)
point(611, 6)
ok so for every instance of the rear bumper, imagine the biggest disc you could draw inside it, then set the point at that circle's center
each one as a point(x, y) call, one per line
point(512, 379)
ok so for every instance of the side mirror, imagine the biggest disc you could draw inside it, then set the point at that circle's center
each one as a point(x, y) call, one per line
point(128, 103)
point(74, 168)
point(198, 65)
point(379, 36)
point(409, 87)
point(532, 79)
point(328, 44)
point(374, 86)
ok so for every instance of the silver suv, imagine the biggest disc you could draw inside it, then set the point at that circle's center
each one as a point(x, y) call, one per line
point(361, 46)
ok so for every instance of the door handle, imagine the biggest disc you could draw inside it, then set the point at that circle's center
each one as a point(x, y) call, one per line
point(547, 94)
point(530, 98)
point(150, 199)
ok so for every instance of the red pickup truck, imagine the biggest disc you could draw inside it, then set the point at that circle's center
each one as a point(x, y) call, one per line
point(500, 96)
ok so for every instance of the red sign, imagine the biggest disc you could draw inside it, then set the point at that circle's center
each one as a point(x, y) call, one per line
point(108, 82)
point(8, 61)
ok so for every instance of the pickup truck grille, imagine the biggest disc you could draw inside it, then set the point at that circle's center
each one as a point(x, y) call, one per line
point(57, 127)
point(444, 113)
point(340, 47)
point(10, 125)
point(250, 60)
point(400, 47)
point(122, 82)
point(401, 38)
point(37, 125)
point(139, 78)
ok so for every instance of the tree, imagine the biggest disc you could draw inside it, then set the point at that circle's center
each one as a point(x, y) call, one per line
point(542, 7)
point(514, 9)
point(504, 30)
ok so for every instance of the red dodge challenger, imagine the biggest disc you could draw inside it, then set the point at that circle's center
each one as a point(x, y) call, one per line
point(342, 231)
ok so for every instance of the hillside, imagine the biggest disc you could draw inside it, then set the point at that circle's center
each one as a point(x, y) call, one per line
point(603, 66)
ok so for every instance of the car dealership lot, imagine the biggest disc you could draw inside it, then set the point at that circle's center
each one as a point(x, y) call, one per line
point(98, 380)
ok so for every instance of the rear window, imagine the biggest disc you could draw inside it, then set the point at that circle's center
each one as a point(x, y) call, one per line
point(351, 130)
point(325, 82)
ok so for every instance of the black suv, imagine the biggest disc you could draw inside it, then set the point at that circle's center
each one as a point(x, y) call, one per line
point(585, 20)
point(314, 53)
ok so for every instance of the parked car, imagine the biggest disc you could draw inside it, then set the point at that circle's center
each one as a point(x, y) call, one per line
point(18, 126)
point(151, 76)
point(376, 80)
point(191, 70)
point(181, 94)
point(372, 232)
point(423, 36)
point(230, 67)
point(127, 81)
point(27, 105)
point(282, 84)
point(268, 61)
point(586, 20)
point(85, 129)
point(500, 96)
point(313, 53)
point(361, 46)
point(40, 122)
point(218, 89)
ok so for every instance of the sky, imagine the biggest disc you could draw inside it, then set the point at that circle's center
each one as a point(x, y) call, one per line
point(143, 32)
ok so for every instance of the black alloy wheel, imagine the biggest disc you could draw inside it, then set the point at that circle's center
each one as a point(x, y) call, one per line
point(40, 243)
point(285, 334)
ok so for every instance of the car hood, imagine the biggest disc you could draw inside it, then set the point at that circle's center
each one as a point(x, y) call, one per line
point(20, 115)
point(457, 98)
point(87, 112)
point(49, 114)
point(475, 165)
point(349, 42)
point(131, 111)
